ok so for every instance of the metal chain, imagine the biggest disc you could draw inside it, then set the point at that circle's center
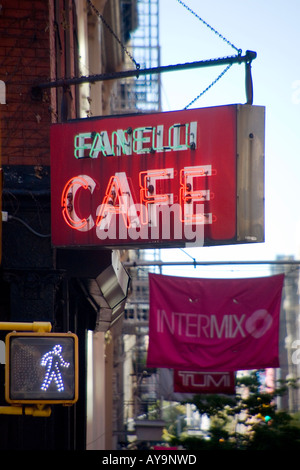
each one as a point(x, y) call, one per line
point(112, 32)
point(210, 27)
point(209, 86)
point(239, 51)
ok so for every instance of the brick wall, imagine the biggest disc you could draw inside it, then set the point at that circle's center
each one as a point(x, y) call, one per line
point(24, 61)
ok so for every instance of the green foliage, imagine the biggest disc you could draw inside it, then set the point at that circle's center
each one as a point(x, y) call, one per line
point(279, 435)
point(173, 415)
point(212, 405)
point(263, 426)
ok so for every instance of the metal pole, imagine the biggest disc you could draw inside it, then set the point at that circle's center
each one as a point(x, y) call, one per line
point(65, 82)
point(133, 264)
point(38, 327)
point(44, 411)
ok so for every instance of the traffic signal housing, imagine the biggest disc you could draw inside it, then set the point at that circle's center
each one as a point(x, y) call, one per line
point(41, 368)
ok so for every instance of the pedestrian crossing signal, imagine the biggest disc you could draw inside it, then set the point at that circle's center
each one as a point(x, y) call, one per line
point(41, 368)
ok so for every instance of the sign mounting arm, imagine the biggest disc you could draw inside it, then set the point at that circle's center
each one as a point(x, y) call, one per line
point(36, 91)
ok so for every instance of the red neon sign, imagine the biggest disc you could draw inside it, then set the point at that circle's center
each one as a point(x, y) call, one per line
point(164, 179)
point(67, 201)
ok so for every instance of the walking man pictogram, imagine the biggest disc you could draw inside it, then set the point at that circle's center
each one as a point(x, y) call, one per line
point(53, 361)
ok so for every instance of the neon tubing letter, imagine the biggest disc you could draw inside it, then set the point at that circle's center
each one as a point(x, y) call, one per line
point(68, 199)
point(148, 193)
point(118, 200)
point(188, 195)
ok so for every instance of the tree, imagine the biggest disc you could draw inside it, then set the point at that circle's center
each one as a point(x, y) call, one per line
point(248, 420)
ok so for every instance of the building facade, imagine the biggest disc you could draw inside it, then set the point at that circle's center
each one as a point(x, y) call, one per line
point(43, 42)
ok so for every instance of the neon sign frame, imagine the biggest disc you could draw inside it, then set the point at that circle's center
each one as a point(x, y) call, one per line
point(165, 179)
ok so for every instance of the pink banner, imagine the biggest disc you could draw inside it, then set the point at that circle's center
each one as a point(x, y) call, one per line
point(214, 324)
point(181, 385)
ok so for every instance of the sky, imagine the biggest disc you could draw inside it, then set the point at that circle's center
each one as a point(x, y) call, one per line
point(271, 29)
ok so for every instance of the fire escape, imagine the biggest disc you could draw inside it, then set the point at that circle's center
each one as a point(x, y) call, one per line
point(142, 94)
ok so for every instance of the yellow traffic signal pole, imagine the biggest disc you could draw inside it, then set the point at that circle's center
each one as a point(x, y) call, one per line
point(41, 412)
point(38, 410)
point(38, 327)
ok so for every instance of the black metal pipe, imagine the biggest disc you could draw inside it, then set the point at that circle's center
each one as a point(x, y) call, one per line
point(65, 82)
point(143, 263)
